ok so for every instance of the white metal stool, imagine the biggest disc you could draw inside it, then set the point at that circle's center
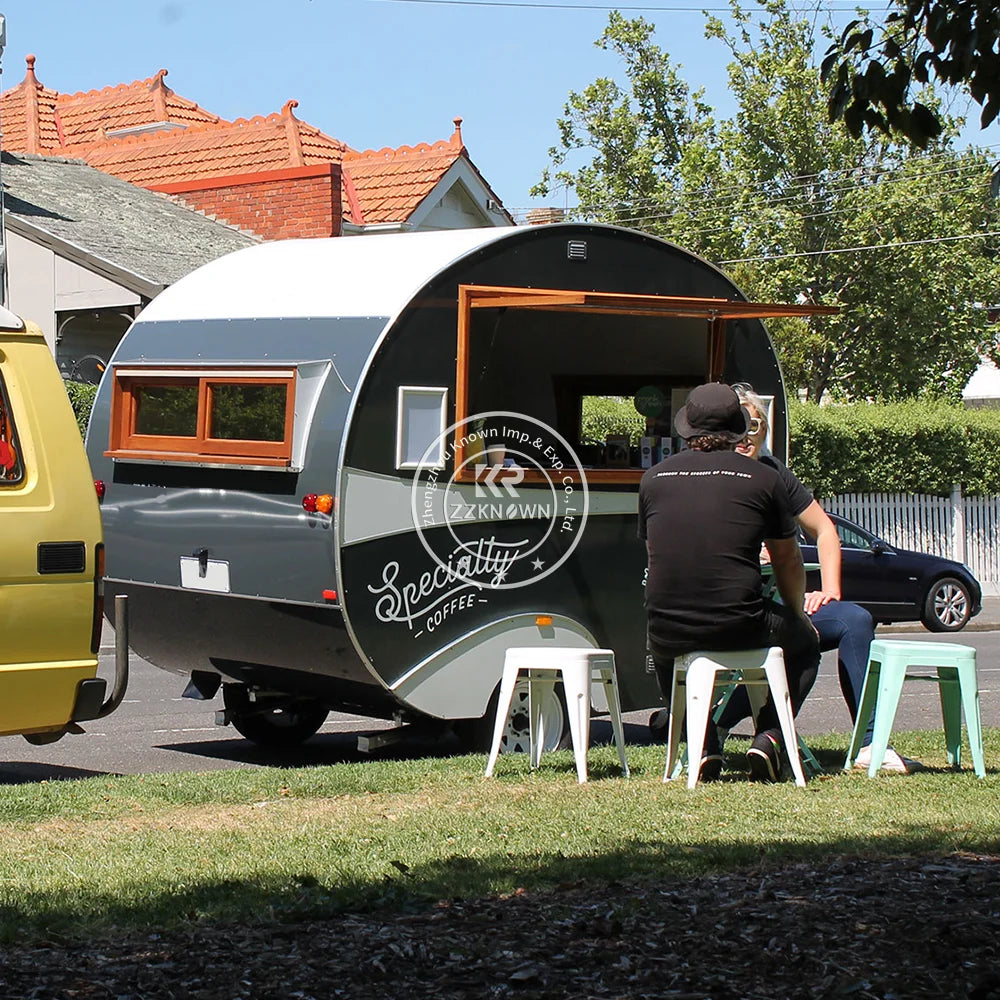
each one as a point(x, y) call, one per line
point(701, 673)
point(579, 669)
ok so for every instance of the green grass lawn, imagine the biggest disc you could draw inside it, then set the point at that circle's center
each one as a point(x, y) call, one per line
point(86, 857)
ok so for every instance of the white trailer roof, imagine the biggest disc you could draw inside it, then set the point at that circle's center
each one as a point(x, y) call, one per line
point(342, 276)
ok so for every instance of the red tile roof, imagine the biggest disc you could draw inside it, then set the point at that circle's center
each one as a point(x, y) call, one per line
point(379, 186)
point(389, 184)
point(244, 146)
point(91, 116)
point(28, 115)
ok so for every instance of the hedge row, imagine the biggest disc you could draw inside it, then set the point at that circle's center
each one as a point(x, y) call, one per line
point(917, 446)
point(81, 398)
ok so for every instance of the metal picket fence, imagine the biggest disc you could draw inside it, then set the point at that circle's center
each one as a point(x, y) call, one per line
point(957, 527)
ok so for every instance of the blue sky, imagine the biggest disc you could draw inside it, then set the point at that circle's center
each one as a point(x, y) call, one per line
point(370, 72)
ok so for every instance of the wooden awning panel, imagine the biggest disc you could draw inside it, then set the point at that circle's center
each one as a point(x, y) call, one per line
point(494, 297)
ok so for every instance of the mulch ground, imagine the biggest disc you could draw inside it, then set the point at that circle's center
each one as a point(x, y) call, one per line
point(893, 929)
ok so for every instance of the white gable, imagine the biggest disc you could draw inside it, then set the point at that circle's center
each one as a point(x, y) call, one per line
point(984, 384)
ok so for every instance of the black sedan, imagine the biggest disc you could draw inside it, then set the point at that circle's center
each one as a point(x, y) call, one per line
point(897, 585)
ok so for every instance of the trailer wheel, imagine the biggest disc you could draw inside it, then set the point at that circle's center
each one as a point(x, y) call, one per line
point(477, 734)
point(284, 725)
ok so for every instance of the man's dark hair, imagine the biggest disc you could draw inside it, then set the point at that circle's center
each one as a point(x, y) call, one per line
point(711, 442)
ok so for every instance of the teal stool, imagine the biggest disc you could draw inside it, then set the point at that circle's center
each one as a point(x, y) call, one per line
point(888, 662)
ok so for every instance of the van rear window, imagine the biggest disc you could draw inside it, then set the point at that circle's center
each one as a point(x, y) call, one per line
point(203, 415)
point(11, 468)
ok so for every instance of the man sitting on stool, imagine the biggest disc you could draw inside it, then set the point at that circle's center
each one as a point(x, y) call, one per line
point(704, 513)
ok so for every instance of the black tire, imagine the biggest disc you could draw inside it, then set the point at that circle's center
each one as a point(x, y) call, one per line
point(476, 735)
point(285, 725)
point(947, 606)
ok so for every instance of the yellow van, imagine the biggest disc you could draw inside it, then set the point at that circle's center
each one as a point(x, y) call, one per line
point(51, 550)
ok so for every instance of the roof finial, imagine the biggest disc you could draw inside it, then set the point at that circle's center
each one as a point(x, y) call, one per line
point(32, 116)
point(160, 90)
point(292, 135)
point(456, 139)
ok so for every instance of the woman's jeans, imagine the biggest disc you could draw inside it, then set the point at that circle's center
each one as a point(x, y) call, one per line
point(776, 627)
point(843, 626)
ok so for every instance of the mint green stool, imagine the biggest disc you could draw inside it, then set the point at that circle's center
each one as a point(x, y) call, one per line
point(888, 662)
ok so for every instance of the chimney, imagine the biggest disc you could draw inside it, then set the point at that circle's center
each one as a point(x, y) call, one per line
point(544, 216)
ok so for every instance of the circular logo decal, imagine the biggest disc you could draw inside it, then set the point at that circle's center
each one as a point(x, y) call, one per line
point(650, 401)
point(512, 510)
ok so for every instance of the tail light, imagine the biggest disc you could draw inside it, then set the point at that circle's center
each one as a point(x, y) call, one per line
point(98, 624)
point(99, 488)
point(318, 503)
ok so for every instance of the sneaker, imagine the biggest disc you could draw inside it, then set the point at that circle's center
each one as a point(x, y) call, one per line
point(710, 767)
point(892, 761)
point(659, 721)
point(764, 758)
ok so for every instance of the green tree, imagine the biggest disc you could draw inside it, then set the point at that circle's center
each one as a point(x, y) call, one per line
point(797, 208)
point(636, 134)
point(875, 68)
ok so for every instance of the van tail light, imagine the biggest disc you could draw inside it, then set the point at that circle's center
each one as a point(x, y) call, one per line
point(99, 488)
point(98, 624)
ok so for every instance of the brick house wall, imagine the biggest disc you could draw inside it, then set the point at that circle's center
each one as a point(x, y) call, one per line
point(275, 204)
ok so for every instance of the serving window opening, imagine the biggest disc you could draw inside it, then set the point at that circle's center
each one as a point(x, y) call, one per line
point(607, 371)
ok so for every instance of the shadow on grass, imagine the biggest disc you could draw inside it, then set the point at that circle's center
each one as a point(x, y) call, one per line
point(30, 772)
point(324, 749)
point(301, 896)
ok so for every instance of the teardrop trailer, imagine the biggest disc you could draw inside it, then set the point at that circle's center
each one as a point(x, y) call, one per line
point(349, 473)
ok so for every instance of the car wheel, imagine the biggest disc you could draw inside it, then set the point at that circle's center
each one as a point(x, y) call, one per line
point(947, 606)
point(477, 734)
point(283, 725)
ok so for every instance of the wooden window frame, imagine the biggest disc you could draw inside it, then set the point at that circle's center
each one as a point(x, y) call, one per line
point(715, 311)
point(126, 443)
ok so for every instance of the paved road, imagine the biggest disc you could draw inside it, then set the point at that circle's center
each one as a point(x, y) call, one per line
point(156, 730)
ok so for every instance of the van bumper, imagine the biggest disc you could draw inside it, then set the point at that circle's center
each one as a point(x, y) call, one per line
point(42, 697)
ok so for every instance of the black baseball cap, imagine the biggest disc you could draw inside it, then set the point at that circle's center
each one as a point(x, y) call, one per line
point(713, 408)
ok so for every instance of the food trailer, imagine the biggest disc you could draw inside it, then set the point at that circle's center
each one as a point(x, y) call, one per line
point(349, 473)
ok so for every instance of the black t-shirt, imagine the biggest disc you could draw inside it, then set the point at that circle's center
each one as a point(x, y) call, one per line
point(798, 496)
point(704, 516)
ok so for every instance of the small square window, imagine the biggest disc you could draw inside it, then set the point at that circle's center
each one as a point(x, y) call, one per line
point(421, 421)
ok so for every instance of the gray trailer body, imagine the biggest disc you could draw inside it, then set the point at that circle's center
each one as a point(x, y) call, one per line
point(230, 579)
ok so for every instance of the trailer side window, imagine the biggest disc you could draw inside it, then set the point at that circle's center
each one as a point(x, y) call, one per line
point(227, 416)
point(11, 469)
point(421, 418)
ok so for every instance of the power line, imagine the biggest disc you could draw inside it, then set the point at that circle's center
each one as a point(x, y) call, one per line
point(790, 211)
point(811, 8)
point(702, 212)
point(877, 246)
point(795, 197)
